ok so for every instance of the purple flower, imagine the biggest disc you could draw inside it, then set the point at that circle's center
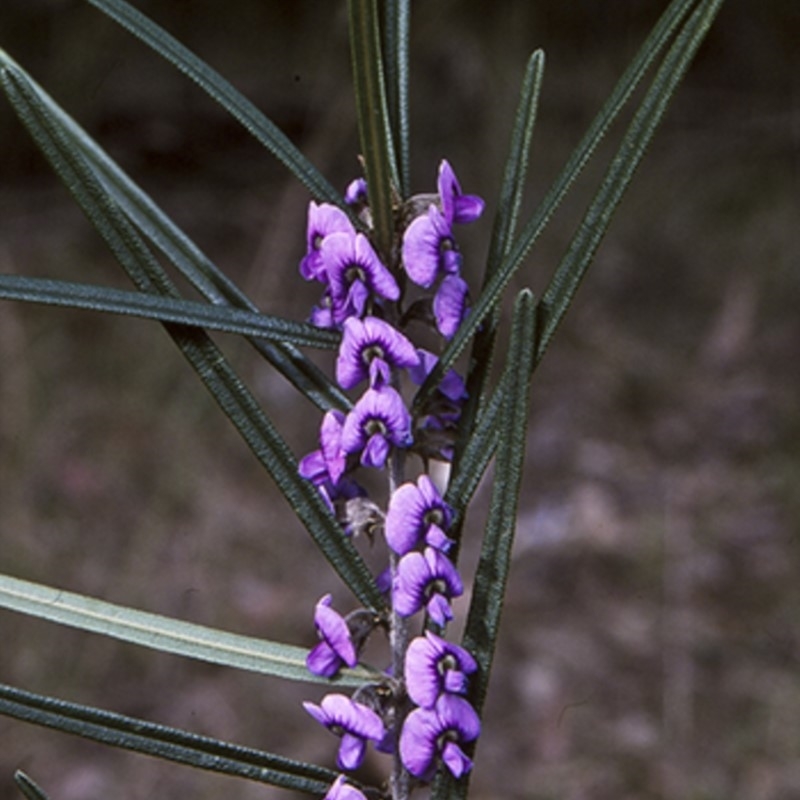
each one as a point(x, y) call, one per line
point(435, 667)
point(429, 248)
point(430, 734)
point(371, 348)
point(458, 208)
point(355, 273)
point(417, 512)
point(426, 580)
point(335, 647)
point(450, 305)
point(377, 421)
point(342, 791)
point(323, 219)
point(327, 463)
point(354, 722)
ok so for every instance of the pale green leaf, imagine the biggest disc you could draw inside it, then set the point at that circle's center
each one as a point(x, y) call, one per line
point(167, 634)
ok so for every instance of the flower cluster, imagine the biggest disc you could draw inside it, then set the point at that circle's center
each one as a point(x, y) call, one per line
point(422, 716)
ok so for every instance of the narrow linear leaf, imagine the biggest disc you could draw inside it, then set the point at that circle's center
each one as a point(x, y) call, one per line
point(187, 257)
point(220, 379)
point(488, 593)
point(166, 634)
point(570, 272)
point(238, 106)
point(656, 42)
point(503, 229)
point(516, 169)
point(27, 786)
point(397, 25)
point(495, 560)
point(91, 297)
point(171, 744)
point(373, 119)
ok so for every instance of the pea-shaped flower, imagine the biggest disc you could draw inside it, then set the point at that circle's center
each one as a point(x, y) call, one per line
point(354, 722)
point(435, 667)
point(371, 348)
point(378, 421)
point(417, 513)
point(355, 274)
point(426, 580)
point(431, 734)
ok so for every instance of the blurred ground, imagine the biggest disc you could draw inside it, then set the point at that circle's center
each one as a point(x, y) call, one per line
point(651, 644)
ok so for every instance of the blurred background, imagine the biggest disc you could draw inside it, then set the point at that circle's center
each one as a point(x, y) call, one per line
point(651, 642)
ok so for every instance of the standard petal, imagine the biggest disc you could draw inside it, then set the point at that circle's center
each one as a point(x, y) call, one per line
point(423, 682)
point(424, 242)
point(418, 741)
point(450, 305)
point(408, 590)
point(333, 629)
point(458, 715)
point(352, 717)
point(404, 518)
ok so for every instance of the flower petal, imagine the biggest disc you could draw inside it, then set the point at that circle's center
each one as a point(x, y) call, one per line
point(323, 661)
point(351, 752)
point(404, 518)
point(418, 741)
point(450, 305)
point(425, 241)
point(455, 760)
point(343, 791)
point(458, 208)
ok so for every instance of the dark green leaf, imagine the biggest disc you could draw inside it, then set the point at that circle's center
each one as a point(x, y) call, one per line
point(172, 744)
point(164, 309)
point(373, 120)
point(397, 24)
point(238, 106)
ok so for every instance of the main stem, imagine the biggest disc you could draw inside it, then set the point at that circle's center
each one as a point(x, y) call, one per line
point(398, 640)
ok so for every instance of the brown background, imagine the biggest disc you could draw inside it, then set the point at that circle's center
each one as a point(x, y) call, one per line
point(650, 646)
